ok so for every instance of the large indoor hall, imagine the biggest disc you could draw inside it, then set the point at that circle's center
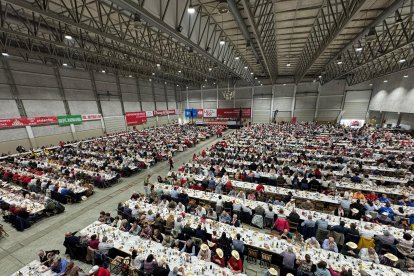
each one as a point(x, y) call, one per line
point(206, 138)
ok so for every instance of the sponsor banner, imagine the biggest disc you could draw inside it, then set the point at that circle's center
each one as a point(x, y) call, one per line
point(91, 117)
point(199, 113)
point(135, 118)
point(193, 113)
point(33, 121)
point(210, 113)
point(164, 112)
point(234, 112)
point(69, 119)
point(354, 123)
point(149, 113)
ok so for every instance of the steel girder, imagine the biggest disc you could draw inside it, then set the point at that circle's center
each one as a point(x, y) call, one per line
point(261, 19)
point(100, 33)
point(333, 16)
point(205, 41)
point(387, 51)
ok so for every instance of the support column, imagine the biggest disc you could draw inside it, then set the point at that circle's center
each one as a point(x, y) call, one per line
point(95, 92)
point(292, 110)
point(118, 86)
point(399, 118)
point(315, 115)
point(139, 93)
point(217, 93)
point(165, 95)
point(272, 104)
point(32, 139)
point(13, 88)
point(153, 95)
point(61, 90)
point(252, 103)
point(73, 131)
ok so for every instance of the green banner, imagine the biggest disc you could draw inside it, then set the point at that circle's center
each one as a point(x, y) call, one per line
point(70, 119)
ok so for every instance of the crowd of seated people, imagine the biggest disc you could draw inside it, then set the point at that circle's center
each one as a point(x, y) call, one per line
point(231, 251)
point(22, 208)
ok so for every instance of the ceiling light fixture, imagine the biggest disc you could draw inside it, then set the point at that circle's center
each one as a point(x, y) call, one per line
point(222, 41)
point(179, 71)
point(103, 71)
point(370, 84)
point(209, 69)
point(68, 37)
point(245, 67)
point(65, 64)
point(191, 9)
point(158, 65)
point(339, 62)
point(320, 76)
point(4, 54)
point(405, 76)
point(150, 80)
point(288, 65)
point(251, 73)
point(402, 60)
point(130, 76)
point(358, 49)
point(385, 81)
point(237, 58)
point(153, 74)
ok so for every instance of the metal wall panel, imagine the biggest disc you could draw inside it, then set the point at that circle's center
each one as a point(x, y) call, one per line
point(261, 116)
point(111, 108)
point(356, 104)
point(114, 124)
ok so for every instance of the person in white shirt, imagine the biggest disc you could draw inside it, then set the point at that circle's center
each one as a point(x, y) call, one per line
point(104, 246)
point(369, 255)
point(201, 211)
point(180, 207)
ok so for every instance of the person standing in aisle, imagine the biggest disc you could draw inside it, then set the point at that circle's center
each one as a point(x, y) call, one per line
point(171, 162)
point(146, 184)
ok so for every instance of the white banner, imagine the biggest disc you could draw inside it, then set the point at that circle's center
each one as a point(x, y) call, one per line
point(91, 117)
point(150, 113)
point(210, 113)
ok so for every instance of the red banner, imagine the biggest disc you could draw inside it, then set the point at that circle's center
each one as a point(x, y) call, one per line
point(200, 113)
point(164, 112)
point(34, 121)
point(135, 118)
point(234, 112)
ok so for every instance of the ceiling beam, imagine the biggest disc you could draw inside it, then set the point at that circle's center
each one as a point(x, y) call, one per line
point(328, 24)
point(272, 73)
point(134, 8)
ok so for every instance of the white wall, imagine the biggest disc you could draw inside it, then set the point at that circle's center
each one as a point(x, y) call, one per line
point(43, 94)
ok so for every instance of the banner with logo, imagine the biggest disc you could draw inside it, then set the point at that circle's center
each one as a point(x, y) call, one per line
point(210, 113)
point(91, 117)
point(164, 112)
point(69, 119)
point(149, 113)
point(33, 121)
point(135, 118)
point(234, 112)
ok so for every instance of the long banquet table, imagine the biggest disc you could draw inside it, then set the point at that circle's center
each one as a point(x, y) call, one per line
point(375, 229)
point(268, 242)
point(125, 242)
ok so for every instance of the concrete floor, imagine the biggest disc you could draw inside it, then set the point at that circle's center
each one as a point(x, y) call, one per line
point(20, 248)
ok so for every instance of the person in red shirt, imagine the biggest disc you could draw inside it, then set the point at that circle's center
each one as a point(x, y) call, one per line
point(228, 186)
point(260, 188)
point(372, 197)
point(203, 153)
point(235, 263)
point(99, 271)
point(219, 257)
point(16, 177)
